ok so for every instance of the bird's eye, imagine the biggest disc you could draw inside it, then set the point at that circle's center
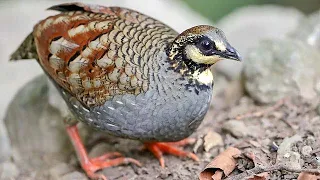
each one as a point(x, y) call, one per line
point(205, 46)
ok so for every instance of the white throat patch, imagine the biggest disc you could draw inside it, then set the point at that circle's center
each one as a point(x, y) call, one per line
point(205, 77)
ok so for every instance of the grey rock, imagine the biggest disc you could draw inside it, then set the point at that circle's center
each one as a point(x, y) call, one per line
point(8, 170)
point(306, 151)
point(236, 128)
point(35, 128)
point(5, 148)
point(74, 176)
point(56, 101)
point(285, 156)
point(246, 26)
point(60, 170)
point(279, 68)
point(309, 30)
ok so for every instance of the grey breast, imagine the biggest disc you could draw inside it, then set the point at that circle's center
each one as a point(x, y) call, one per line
point(168, 111)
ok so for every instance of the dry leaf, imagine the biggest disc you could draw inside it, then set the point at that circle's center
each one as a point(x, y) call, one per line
point(261, 176)
point(222, 165)
point(211, 140)
point(307, 176)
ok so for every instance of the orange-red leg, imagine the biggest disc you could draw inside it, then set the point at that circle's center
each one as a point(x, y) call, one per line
point(91, 165)
point(158, 148)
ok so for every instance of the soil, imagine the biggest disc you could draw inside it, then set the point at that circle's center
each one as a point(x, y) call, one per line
point(261, 136)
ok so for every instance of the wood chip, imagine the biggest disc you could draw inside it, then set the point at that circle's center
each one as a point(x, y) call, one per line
point(221, 166)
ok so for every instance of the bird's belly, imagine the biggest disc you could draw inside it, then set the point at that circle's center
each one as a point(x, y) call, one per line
point(148, 116)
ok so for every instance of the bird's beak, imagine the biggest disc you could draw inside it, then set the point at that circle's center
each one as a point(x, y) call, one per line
point(232, 53)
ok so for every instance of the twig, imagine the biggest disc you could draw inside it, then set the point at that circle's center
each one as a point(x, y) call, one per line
point(261, 169)
point(262, 112)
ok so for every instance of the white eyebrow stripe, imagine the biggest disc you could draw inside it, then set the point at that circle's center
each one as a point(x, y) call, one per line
point(220, 45)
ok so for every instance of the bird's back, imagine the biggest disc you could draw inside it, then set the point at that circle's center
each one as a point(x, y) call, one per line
point(95, 52)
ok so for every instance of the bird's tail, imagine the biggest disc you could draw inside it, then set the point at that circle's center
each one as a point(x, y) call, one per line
point(27, 50)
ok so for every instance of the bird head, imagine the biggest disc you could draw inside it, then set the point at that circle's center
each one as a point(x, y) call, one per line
point(202, 46)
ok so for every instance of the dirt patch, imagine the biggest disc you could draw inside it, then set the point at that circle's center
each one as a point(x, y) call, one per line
point(262, 137)
point(292, 126)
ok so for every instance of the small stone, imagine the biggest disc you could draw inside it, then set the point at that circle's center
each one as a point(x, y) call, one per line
point(285, 156)
point(59, 170)
point(74, 175)
point(236, 128)
point(8, 170)
point(198, 144)
point(164, 174)
point(317, 159)
point(212, 139)
point(306, 151)
point(293, 160)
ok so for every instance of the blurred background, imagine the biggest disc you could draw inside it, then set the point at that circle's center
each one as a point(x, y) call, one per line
point(267, 33)
point(244, 22)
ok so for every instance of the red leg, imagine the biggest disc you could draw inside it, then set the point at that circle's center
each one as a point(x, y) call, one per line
point(91, 165)
point(158, 148)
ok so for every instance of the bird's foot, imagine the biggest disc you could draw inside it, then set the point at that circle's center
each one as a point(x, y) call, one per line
point(158, 148)
point(92, 165)
point(104, 161)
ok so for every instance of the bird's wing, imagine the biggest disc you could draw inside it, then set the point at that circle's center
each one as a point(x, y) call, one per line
point(97, 52)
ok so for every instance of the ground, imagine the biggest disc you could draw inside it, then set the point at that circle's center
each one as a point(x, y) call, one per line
point(283, 133)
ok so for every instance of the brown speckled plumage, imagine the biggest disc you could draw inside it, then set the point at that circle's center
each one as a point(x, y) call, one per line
point(127, 74)
point(97, 55)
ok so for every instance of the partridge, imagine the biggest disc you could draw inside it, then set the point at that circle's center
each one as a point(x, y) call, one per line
point(127, 74)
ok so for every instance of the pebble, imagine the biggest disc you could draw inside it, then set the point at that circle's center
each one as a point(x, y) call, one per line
point(212, 139)
point(306, 151)
point(318, 161)
point(8, 170)
point(236, 128)
point(287, 157)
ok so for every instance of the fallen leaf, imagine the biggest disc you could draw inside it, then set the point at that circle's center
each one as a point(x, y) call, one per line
point(261, 176)
point(256, 160)
point(221, 166)
point(307, 176)
point(211, 140)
